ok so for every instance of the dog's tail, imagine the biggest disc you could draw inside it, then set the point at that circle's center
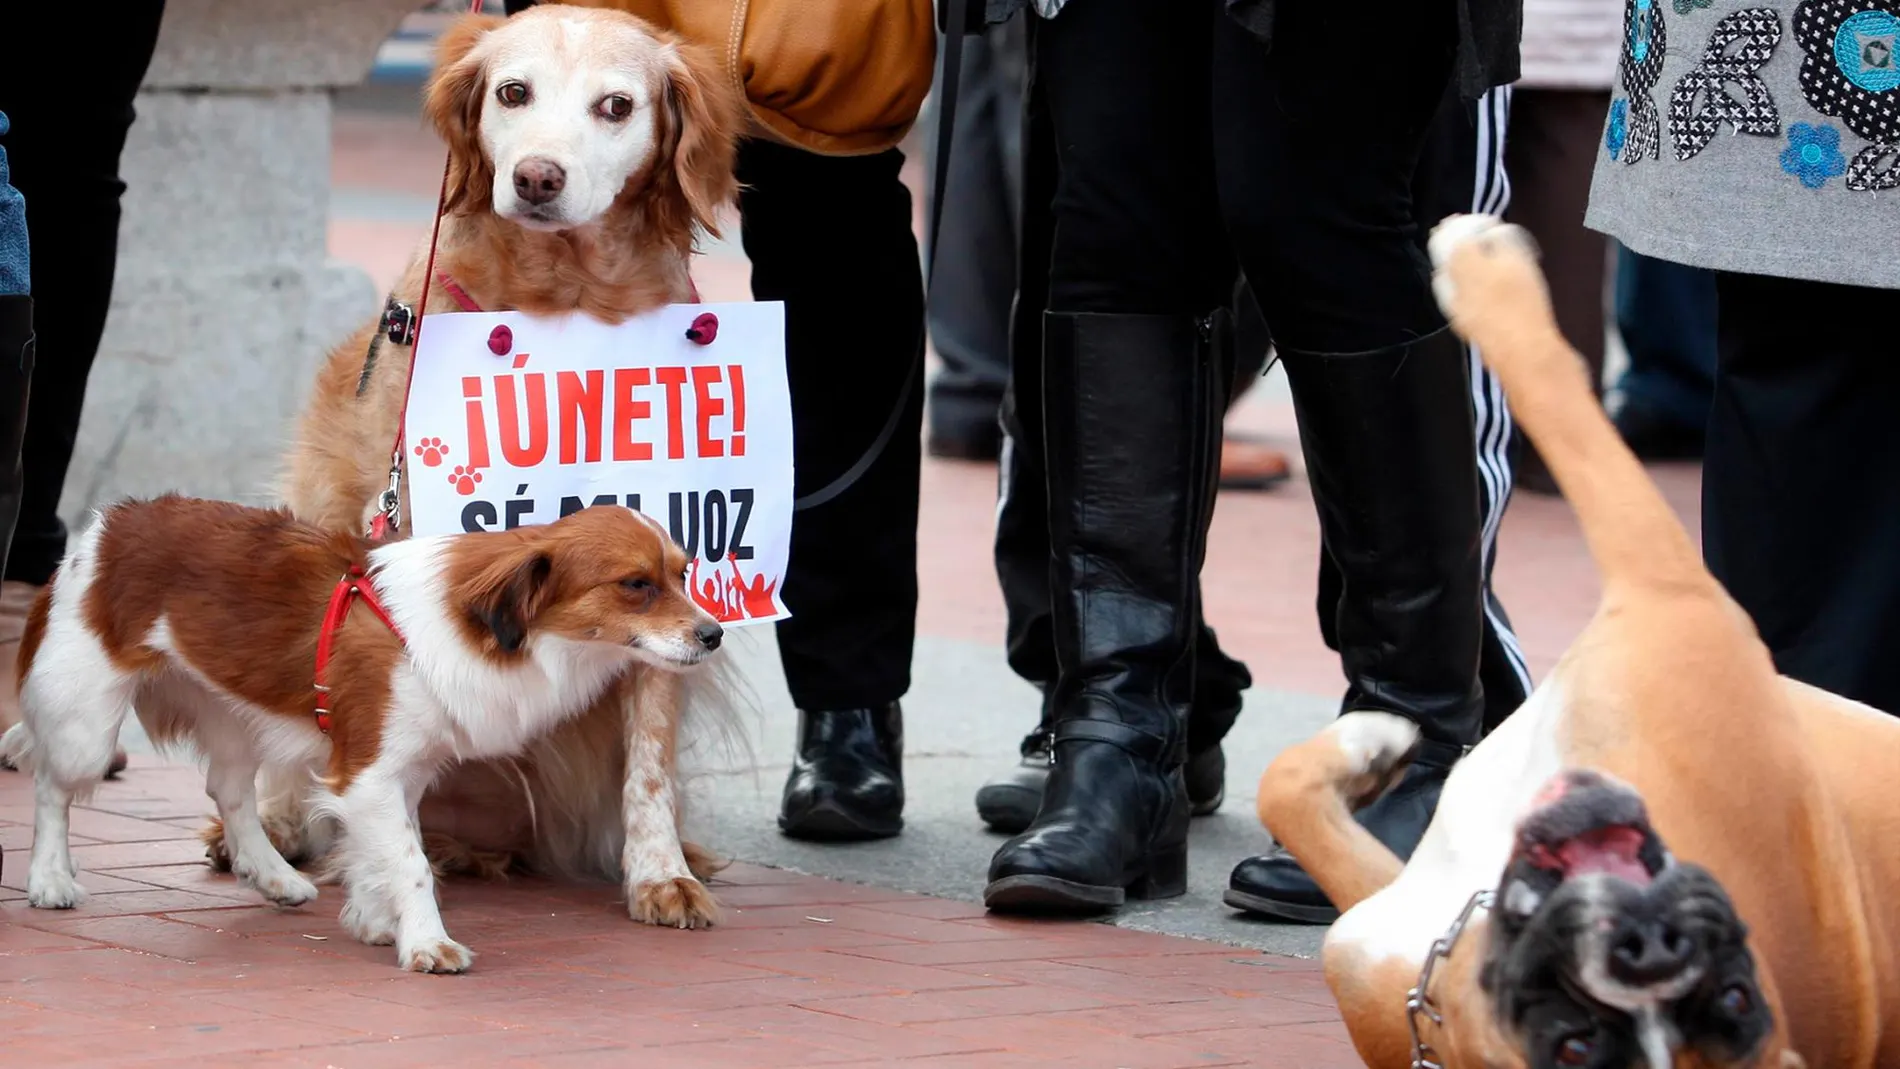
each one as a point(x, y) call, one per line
point(1488, 282)
point(16, 747)
point(1308, 794)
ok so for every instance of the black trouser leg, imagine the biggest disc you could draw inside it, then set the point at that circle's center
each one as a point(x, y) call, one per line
point(1801, 480)
point(974, 278)
point(64, 152)
point(853, 324)
point(1316, 167)
point(16, 379)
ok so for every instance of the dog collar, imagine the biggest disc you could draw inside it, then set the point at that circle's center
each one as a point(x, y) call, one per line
point(354, 584)
point(1418, 1001)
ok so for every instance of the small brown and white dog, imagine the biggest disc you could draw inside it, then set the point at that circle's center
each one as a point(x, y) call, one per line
point(1670, 857)
point(207, 620)
point(586, 149)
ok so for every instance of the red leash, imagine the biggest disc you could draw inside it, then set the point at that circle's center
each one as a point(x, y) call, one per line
point(348, 590)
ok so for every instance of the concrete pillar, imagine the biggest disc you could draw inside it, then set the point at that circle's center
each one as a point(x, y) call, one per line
point(226, 296)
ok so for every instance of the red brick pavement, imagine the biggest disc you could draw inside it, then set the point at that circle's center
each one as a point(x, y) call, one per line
point(170, 964)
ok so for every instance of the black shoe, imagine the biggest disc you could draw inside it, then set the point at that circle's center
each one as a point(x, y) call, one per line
point(1274, 885)
point(1008, 803)
point(1131, 464)
point(847, 780)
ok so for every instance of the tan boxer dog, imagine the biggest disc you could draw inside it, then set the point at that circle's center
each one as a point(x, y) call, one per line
point(1670, 856)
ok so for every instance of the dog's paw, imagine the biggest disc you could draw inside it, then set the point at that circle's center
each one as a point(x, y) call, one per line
point(442, 955)
point(287, 888)
point(212, 835)
point(701, 862)
point(367, 925)
point(1374, 745)
point(52, 889)
point(682, 902)
point(1485, 276)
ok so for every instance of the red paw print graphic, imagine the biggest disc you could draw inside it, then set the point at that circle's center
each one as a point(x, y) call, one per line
point(432, 450)
point(464, 479)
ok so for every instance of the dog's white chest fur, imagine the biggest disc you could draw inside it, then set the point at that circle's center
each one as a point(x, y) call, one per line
point(1469, 841)
point(478, 707)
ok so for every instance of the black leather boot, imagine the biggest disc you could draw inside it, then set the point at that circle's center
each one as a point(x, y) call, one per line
point(847, 779)
point(1131, 416)
point(1008, 802)
point(1390, 452)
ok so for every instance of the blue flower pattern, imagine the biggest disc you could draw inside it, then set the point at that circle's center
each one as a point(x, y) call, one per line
point(1618, 131)
point(1813, 154)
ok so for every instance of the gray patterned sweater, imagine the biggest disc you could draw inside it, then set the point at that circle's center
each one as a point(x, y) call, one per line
point(1760, 137)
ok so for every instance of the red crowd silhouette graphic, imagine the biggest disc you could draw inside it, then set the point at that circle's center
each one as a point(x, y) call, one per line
point(735, 598)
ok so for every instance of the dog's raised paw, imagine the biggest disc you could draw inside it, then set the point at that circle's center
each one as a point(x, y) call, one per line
point(677, 903)
point(437, 956)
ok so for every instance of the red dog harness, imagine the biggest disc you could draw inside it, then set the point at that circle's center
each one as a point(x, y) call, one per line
point(352, 586)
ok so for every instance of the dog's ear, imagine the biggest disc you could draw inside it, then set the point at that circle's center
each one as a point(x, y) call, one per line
point(453, 102)
point(704, 116)
point(507, 592)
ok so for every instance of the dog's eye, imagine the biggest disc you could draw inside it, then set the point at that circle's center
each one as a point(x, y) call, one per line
point(1736, 1001)
point(616, 107)
point(636, 585)
point(512, 94)
point(1573, 1050)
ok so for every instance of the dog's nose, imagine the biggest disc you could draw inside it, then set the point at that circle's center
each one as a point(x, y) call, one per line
point(539, 180)
point(710, 634)
point(1648, 951)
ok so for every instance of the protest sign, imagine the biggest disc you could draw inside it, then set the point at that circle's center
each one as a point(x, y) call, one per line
point(516, 420)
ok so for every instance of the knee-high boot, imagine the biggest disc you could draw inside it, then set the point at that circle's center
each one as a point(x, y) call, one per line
point(1131, 425)
point(1389, 451)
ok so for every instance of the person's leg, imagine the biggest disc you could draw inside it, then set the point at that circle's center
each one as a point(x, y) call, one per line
point(974, 276)
point(1462, 169)
point(16, 346)
point(1316, 165)
point(1008, 802)
point(853, 321)
point(1551, 154)
point(1131, 398)
point(1665, 313)
point(1801, 481)
point(64, 148)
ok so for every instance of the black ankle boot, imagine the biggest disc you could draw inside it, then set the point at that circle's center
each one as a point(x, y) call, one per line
point(1130, 410)
point(1274, 885)
point(1391, 455)
point(1008, 802)
point(847, 779)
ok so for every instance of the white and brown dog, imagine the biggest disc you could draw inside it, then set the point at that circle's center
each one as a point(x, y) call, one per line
point(1671, 856)
point(586, 150)
point(228, 627)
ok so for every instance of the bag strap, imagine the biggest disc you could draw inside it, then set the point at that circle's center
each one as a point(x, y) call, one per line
point(950, 75)
point(952, 69)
